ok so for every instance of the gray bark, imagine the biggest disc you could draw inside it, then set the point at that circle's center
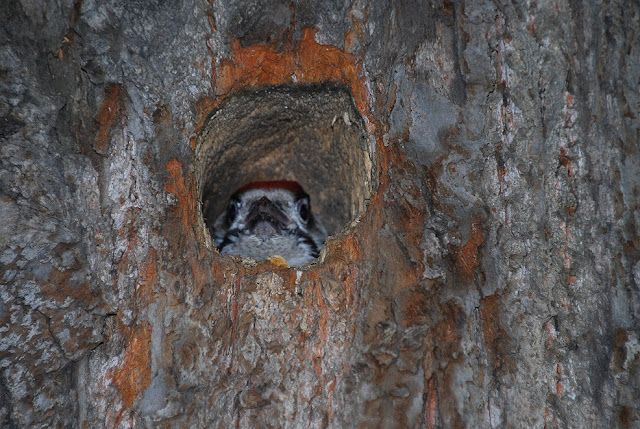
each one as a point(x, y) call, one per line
point(492, 281)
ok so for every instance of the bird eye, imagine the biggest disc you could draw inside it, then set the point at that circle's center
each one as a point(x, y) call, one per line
point(232, 210)
point(303, 210)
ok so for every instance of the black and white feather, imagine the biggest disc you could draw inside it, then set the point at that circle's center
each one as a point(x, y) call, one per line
point(264, 219)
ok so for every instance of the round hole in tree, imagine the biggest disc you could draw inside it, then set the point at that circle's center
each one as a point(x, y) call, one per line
point(313, 135)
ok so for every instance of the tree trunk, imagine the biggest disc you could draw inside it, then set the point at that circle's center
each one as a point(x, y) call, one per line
point(491, 279)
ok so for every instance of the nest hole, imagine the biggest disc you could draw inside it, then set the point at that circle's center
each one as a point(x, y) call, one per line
point(311, 134)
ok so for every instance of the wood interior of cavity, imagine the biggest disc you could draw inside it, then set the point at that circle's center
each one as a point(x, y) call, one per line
point(312, 134)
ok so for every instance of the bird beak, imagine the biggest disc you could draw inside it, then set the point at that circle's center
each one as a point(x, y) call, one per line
point(267, 218)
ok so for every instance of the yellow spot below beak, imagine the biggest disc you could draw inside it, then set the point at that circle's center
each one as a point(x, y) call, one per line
point(278, 261)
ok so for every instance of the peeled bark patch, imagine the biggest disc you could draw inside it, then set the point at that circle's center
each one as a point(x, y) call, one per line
point(134, 374)
point(110, 111)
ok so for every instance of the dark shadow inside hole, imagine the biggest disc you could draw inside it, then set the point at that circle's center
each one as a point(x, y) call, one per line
point(311, 134)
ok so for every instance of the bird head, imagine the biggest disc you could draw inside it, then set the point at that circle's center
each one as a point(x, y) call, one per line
point(263, 219)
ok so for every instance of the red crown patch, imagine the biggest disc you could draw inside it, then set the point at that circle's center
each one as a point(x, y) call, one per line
point(290, 185)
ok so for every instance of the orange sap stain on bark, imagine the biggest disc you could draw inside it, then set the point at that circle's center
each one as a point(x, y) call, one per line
point(177, 186)
point(308, 62)
point(134, 375)
point(108, 113)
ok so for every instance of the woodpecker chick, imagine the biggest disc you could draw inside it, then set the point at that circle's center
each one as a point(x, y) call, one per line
point(270, 218)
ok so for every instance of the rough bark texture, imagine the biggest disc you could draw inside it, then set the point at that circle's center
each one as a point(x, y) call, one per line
point(493, 280)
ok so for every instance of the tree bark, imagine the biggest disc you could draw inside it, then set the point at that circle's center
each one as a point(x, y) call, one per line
point(492, 281)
